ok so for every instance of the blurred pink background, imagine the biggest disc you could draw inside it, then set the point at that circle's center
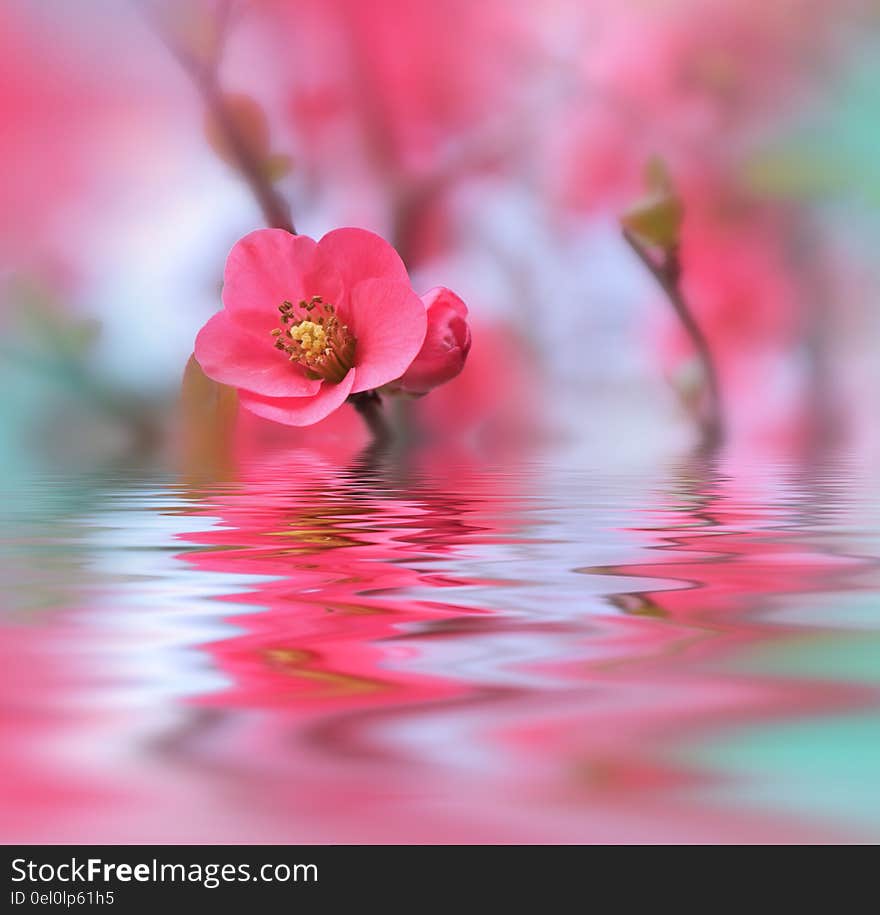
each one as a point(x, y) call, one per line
point(496, 144)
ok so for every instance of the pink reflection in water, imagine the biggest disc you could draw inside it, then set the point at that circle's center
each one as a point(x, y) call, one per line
point(418, 657)
point(337, 551)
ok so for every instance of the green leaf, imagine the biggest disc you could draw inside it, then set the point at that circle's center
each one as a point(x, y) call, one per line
point(657, 218)
point(277, 166)
point(243, 116)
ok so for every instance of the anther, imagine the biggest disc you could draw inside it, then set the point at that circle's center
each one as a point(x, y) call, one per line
point(319, 343)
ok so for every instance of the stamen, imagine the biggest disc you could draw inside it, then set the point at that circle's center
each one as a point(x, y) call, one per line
point(317, 339)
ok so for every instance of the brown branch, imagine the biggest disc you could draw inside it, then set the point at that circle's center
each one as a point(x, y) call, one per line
point(274, 207)
point(369, 405)
point(667, 273)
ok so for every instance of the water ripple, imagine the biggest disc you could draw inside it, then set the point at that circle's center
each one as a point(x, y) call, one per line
point(389, 652)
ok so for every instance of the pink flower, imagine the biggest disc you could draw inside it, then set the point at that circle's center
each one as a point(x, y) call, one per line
point(306, 324)
point(446, 345)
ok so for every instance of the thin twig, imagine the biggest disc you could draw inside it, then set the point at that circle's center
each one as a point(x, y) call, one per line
point(667, 273)
point(369, 405)
point(276, 211)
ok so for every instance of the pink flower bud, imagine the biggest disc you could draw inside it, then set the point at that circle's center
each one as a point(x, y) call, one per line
point(446, 345)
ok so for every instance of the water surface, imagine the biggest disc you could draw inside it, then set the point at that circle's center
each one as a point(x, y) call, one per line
point(393, 651)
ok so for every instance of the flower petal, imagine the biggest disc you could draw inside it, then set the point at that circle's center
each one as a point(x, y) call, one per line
point(446, 346)
point(300, 411)
point(361, 255)
point(232, 354)
point(440, 296)
point(269, 266)
point(389, 321)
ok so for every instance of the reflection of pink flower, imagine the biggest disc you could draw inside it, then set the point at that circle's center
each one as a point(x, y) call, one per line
point(447, 343)
point(337, 549)
point(306, 324)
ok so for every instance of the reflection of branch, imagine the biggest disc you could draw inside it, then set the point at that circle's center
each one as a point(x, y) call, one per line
point(667, 272)
point(275, 209)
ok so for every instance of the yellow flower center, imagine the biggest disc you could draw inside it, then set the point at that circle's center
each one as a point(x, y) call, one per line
point(311, 337)
point(315, 338)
